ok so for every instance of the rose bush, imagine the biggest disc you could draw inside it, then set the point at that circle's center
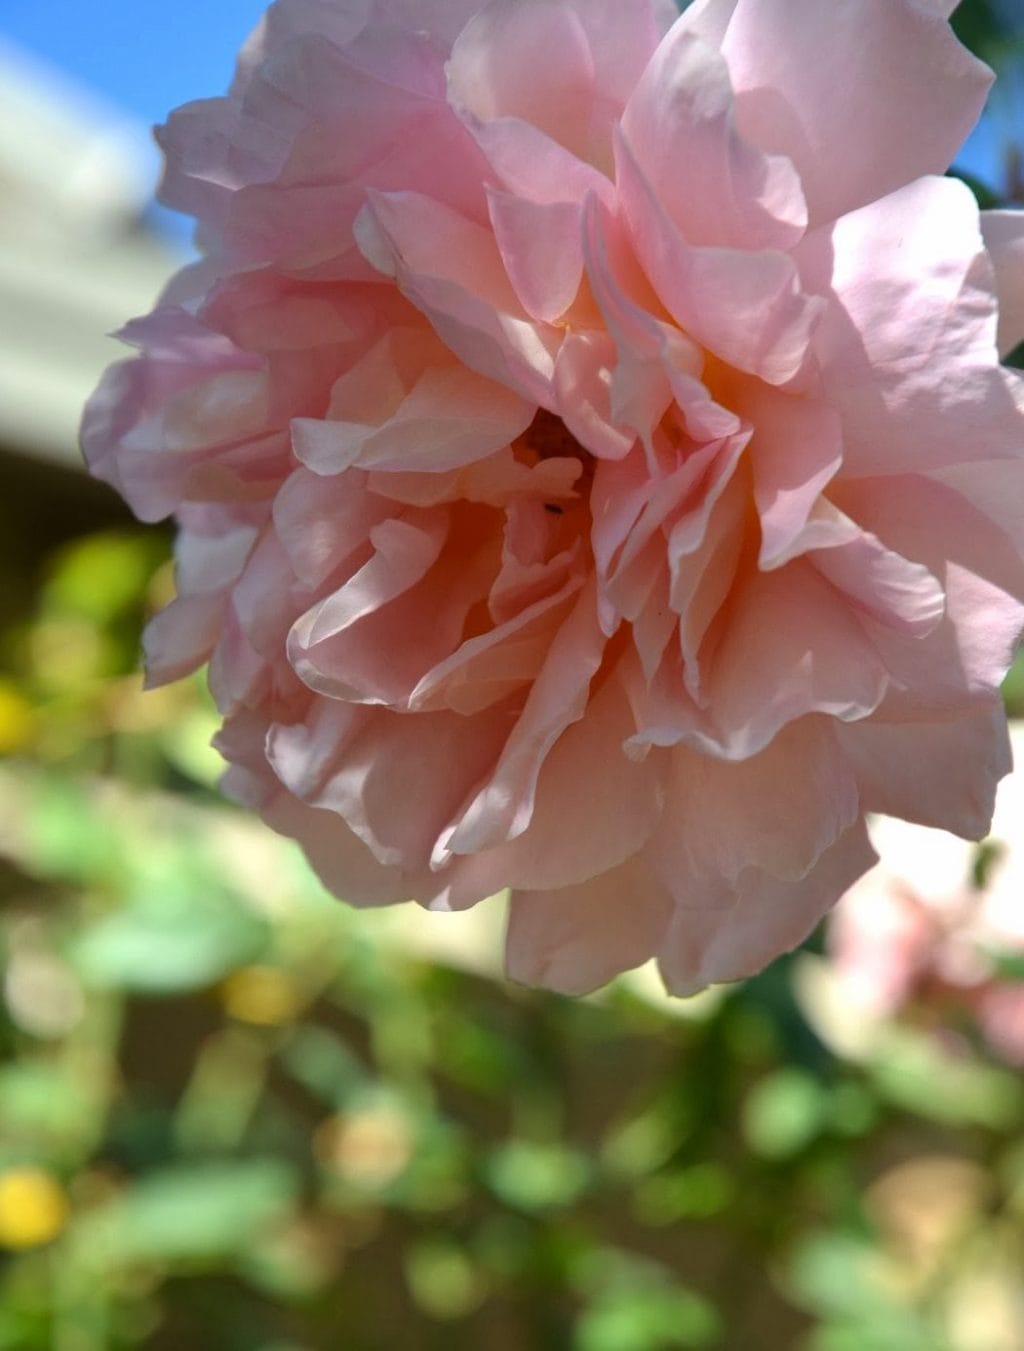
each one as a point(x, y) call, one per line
point(593, 467)
point(935, 927)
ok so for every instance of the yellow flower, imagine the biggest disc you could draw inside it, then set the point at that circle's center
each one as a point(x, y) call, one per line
point(33, 1208)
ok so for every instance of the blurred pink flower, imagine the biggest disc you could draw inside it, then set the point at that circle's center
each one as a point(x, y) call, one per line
point(927, 930)
point(593, 467)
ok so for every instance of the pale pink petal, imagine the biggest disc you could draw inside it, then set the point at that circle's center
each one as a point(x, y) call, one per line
point(897, 593)
point(779, 811)
point(452, 270)
point(190, 394)
point(211, 149)
point(621, 42)
point(536, 168)
point(542, 249)
point(906, 346)
point(962, 661)
point(747, 307)
point(594, 808)
point(493, 665)
point(863, 97)
point(264, 598)
point(656, 363)
point(995, 488)
point(583, 389)
point(344, 864)
point(448, 418)
point(717, 188)
point(404, 551)
point(340, 859)
point(575, 939)
point(648, 350)
point(396, 786)
point(790, 647)
point(181, 637)
point(796, 449)
point(504, 806)
point(940, 774)
point(722, 934)
point(211, 552)
point(374, 639)
point(325, 524)
point(702, 580)
point(528, 61)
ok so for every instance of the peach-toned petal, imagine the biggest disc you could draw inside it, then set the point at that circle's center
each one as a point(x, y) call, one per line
point(778, 810)
point(918, 770)
point(504, 806)
point(720, 933)
point(396, 790)
point(827, 664)
point(594, 808)
point(577, 938)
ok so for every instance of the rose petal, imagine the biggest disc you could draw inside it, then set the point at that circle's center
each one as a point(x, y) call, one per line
point(718, 188)
point(906, 347)
point(747, 307)
point(883, 84)
point(736, 931)
point(940, 774)
point(575, 939)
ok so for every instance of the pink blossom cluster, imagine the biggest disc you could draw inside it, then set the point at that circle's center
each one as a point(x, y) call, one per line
point(937, 926)
point(594, 471)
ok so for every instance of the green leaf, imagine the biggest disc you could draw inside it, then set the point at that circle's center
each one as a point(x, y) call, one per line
point(199, 1213)
point(102, 575)
point(44, 1105)
point(170, 941)
point(784, 1113)
point(647, 1320)
point(695, 1193)
point(534, 1176)
point(68, 837)
point(914, 1071)
point(442, 1279)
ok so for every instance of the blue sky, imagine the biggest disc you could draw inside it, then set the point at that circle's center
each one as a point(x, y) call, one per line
point(145, 55)
point(148, 56)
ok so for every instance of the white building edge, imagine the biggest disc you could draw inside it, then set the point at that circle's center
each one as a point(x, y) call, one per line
point(76, 257)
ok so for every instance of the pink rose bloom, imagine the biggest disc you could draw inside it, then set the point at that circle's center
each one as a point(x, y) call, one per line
point(594, 471)
point(923, 932)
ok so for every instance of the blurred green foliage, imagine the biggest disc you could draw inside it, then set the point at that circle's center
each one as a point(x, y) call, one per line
point(238, 1116)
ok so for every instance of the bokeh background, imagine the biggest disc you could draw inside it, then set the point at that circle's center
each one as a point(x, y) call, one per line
point(237, 1116)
